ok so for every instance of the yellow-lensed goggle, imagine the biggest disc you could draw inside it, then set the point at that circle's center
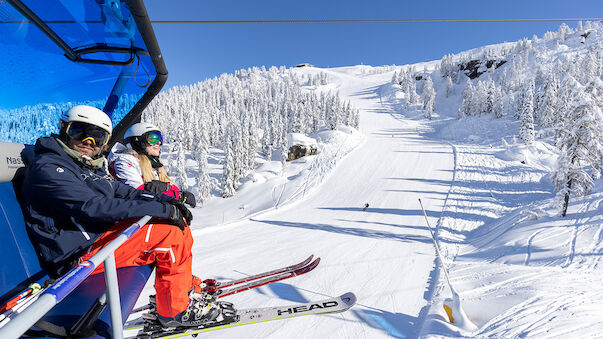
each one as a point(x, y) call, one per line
point(82, 131)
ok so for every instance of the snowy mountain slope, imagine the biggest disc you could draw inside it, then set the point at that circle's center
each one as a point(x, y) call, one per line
point(521, 270)
point(355, 244)
point(383, 254)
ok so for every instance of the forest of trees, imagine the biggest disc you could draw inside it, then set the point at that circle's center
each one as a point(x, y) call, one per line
point(245, 114)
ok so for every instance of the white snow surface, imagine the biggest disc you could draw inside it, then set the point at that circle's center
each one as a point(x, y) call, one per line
point(520, 269)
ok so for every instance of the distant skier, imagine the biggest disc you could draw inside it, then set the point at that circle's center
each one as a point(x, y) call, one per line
point(365, 206)
point(136, 163)
point(72, 209)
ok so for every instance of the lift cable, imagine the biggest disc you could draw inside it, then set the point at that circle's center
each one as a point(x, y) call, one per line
point(296, 21)
point(336, 21)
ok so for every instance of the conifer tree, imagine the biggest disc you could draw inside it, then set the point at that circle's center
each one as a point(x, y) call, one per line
point(395, 78)
point(413, 97)
point(181, 177)
point(581, 145)
point(479, 99)
point(498, 104)
point(547, 107)
point(229, 171)
point(203, 178)
point(429, 96)
point(254, 145)
point(526, 128)
point(467, 104)
point(449, 86)
point(490, 94)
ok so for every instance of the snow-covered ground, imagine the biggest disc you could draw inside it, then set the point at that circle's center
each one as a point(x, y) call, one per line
point(521, 270)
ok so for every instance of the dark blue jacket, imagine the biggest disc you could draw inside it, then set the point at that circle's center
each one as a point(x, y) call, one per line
point(68, 205)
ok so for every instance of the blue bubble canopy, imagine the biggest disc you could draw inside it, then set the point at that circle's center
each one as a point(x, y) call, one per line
point(60, 53)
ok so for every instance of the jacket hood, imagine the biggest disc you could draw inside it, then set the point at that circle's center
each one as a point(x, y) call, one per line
point(120, 151)
point(49, 145)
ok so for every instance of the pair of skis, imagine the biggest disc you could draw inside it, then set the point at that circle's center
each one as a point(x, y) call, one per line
point(152, 329)
point(255, 315)
point(231, 287)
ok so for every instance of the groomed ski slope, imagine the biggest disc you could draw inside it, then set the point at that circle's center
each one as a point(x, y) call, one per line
point(521, 270)
point(383, 254)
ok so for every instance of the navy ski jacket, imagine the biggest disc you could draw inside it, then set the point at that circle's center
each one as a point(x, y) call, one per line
point(68, 205)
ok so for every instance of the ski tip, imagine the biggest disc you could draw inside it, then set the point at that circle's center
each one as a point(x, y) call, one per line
point(311, 265)
point(348, 298)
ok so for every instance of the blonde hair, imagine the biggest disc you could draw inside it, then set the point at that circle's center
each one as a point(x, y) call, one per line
point(147, 170)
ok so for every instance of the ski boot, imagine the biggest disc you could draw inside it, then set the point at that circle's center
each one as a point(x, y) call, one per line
point(201, 310)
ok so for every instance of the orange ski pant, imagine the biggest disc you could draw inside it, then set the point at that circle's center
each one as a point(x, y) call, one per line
point(165, 246)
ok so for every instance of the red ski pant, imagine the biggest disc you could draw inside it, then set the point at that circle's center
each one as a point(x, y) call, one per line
point(168, 248)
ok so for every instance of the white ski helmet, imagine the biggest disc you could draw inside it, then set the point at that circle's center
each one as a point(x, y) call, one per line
point(89, 115)
point(142, 134)
point(140, 129)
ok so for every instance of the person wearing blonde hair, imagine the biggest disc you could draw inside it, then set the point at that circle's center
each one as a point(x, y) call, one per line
point(136, 163)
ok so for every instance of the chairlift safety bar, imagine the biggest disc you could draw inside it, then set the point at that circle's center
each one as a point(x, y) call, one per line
point(68, 282)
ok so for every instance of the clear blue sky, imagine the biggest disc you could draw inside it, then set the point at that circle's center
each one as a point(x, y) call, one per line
point(194, 52)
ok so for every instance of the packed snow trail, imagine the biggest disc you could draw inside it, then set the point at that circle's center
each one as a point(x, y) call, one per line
point(384, 254)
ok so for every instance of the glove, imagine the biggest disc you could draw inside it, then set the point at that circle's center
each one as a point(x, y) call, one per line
point(187, 197)
point(156, 186)
point(179, 215)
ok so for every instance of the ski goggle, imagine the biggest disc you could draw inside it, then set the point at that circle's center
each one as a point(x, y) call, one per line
point(153, 138)
point(82, 131)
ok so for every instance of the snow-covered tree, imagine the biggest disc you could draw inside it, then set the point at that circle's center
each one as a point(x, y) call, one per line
point(581, 145)
point(181, 177)
point(449, 86)
point(479, 99)
point(254, 145)
point(429, 96)
point(547, 104)
point(467, 103)
point(396, 78)
point(498, 104)
point(284, 157)
point(490, 94)
point(413, 97)
point(229, 170)
point(526, 117)
point(563, 32)
point(203, 178)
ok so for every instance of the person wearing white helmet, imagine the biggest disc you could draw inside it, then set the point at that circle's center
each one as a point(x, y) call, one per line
point(73, 207)
point(137, 163)
point(86, 130)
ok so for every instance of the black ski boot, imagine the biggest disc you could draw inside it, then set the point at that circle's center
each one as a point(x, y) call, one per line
point(203, 308)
